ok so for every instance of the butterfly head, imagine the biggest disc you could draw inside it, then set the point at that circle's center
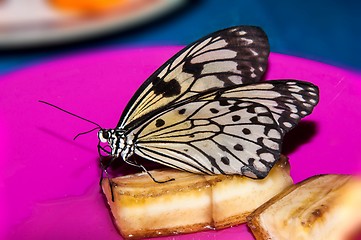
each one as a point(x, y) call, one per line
point(115, 139)
point(104, 135)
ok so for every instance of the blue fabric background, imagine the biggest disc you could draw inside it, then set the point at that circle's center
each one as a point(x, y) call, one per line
point(325, 31)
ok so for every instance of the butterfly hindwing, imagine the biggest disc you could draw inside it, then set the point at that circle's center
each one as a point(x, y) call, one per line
point(235, 130)
point(228, 57)
point(212, 137)
point(287, 100)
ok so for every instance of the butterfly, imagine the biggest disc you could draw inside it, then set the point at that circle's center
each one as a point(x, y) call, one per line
point(207, 111)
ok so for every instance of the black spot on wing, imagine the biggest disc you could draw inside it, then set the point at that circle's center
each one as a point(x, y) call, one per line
point(251, 109)
point(167, 89)
point(225, 160)
point(238, 147)
point(224, 102)
point(236, 118)
point(246, 131)
point(234, 108)
point(213, 110)
point(159, 122)
point(182, 111)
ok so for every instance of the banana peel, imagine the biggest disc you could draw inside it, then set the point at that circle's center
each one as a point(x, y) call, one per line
point(321, 207)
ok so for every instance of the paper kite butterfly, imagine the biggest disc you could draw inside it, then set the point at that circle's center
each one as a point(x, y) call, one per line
point(206, 111)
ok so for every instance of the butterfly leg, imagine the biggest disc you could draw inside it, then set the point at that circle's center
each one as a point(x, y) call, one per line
point(103, 166)
point(150, 175)
point(104, 170)
point(134, 163)
point(103, 149)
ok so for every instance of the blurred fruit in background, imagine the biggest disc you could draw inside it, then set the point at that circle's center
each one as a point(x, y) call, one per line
point(86, 6)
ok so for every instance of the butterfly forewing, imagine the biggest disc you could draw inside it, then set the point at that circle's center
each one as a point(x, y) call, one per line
point(228, 57)
point(212, 137)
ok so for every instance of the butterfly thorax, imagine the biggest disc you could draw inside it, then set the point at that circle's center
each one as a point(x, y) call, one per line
point(118, 141)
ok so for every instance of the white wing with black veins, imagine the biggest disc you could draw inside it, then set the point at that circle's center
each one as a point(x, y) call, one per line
point(212, 137)
point(287, 100)
point(206, 111)
point(228, 57)
point(236, 130)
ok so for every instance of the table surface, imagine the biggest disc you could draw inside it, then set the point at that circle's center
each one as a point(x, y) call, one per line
point(59, 177)
point(325, 31)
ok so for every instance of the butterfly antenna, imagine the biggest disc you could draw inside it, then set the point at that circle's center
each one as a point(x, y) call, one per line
point(86, 132)
point(73, 114)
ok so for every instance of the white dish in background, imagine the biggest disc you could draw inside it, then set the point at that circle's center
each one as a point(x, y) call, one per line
point(36, 22)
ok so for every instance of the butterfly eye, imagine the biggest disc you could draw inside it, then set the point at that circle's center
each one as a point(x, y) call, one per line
point(103, 135)
point(106, 135)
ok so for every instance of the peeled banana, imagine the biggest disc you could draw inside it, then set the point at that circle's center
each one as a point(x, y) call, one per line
point(143, 208)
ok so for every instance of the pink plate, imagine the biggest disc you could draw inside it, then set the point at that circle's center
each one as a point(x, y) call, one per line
point(49, 183)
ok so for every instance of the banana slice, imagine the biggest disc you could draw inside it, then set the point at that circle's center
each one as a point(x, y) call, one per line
point(143, 208)
point(321, 207)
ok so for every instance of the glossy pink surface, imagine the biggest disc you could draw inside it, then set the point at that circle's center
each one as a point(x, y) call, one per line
point(49, 183)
